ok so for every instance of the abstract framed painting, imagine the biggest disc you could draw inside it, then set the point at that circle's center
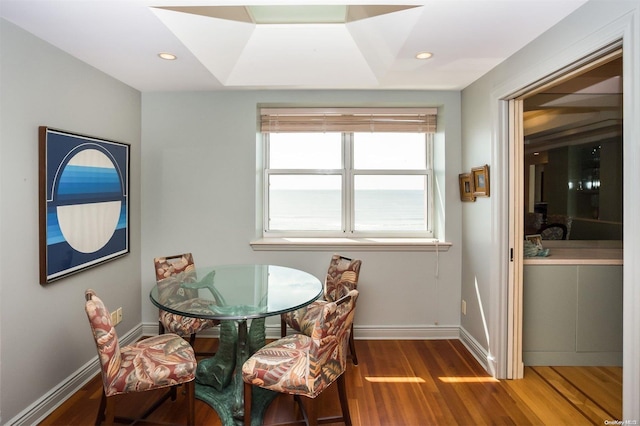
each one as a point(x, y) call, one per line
point(84, 202)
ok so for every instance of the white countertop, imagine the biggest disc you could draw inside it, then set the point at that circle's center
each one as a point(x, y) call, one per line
point(579, 252)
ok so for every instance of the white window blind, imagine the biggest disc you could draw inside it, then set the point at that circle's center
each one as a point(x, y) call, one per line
point(275, 120)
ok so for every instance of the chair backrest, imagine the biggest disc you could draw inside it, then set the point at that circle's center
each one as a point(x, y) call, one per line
point(561, 219)
point(168, 267)
point(532, 222)
point(342, 271)
point(331, 332)
point(553, 231)
point(105, 336)
point(171, 265)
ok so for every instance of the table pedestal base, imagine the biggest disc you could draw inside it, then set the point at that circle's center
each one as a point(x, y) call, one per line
point(223, 401)
point(219, 379)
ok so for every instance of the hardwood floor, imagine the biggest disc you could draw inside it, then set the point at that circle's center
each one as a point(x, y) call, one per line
point(410, 383)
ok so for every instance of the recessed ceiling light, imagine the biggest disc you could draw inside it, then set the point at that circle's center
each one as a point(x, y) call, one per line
point(424, 55)
point(168, 56)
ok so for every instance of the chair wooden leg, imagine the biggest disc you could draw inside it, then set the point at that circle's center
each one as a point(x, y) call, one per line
point(309, 408)
point(160, 328)
point(101, 410)
point(352, 348)
point(191, 403)
point(247, 403)
point(283, 327)
point(173, 392)
point(312, 411)
point(344, 401)
point(192, 339)
point(110, 412)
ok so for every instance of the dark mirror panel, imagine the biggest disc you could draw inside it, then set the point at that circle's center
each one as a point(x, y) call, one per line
point(573, 156)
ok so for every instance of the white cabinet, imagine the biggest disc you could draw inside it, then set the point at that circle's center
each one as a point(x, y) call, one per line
point(572, 315)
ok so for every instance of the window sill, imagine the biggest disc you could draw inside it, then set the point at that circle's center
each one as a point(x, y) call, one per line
point(359, 244)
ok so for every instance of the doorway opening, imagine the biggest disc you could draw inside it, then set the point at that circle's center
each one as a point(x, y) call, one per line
point(560, 130)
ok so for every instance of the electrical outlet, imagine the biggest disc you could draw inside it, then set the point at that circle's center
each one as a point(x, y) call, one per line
point(116, 317)
point(464, 307)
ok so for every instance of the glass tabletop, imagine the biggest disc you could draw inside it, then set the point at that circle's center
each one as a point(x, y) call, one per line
point(236, 291)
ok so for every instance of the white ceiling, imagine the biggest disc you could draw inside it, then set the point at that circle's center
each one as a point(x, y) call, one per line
point(123, 38)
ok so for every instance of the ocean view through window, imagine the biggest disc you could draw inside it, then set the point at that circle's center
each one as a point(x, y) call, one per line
point(318, 210)
point(347, 183)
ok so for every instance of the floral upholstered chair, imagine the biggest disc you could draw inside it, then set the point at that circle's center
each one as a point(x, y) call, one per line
point(562, 219)
point(305, 365)
point(166, 268)
point(342, 272)
point(163, 361)
point(553, 231)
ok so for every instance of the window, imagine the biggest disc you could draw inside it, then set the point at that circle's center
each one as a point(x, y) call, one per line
point(359, 173)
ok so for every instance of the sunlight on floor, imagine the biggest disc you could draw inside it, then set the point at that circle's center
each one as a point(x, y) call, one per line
point(400, 379)
point(392, 379)
point(468, 379)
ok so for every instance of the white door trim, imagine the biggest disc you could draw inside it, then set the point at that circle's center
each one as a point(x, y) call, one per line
point(515, 366)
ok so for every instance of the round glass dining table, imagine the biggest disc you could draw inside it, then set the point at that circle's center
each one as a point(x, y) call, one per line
point(234, 295)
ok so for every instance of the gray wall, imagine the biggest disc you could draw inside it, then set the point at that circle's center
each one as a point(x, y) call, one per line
point(199, 194)
point(45, 333)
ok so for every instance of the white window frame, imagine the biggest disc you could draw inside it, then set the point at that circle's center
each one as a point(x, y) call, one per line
point(348, 173)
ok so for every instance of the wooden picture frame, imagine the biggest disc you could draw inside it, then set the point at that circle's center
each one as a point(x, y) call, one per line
point(83, 202)
point(466, 187)
point(535, 239)
point(480, 177)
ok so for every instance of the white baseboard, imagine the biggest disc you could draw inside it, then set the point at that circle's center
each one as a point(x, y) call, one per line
point(41, 408)
point(478, 352)
point(406, 333)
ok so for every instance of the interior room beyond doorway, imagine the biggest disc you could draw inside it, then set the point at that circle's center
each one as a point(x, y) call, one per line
point(573, 155)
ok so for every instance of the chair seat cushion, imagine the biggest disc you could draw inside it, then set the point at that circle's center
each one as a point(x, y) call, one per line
point(184, 326)
point(152, 363)
point(288, 366)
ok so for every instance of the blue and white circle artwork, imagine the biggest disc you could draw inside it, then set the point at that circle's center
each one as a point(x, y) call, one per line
point(88, 227)
point(87, 220)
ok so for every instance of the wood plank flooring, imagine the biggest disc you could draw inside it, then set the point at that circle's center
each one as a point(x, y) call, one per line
point(410, 383)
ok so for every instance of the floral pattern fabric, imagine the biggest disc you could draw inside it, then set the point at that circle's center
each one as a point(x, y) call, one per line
point(553, 231)
point(156, 362)
point(342, 272)
point(173, 265)
point(184, 326)
point(167, 269)
point(306, 364)
point(303, 320)
point(563, 219)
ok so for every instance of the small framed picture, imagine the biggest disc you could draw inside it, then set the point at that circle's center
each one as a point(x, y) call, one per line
point(480, 177)
point(466, 187)
point(535, 239)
